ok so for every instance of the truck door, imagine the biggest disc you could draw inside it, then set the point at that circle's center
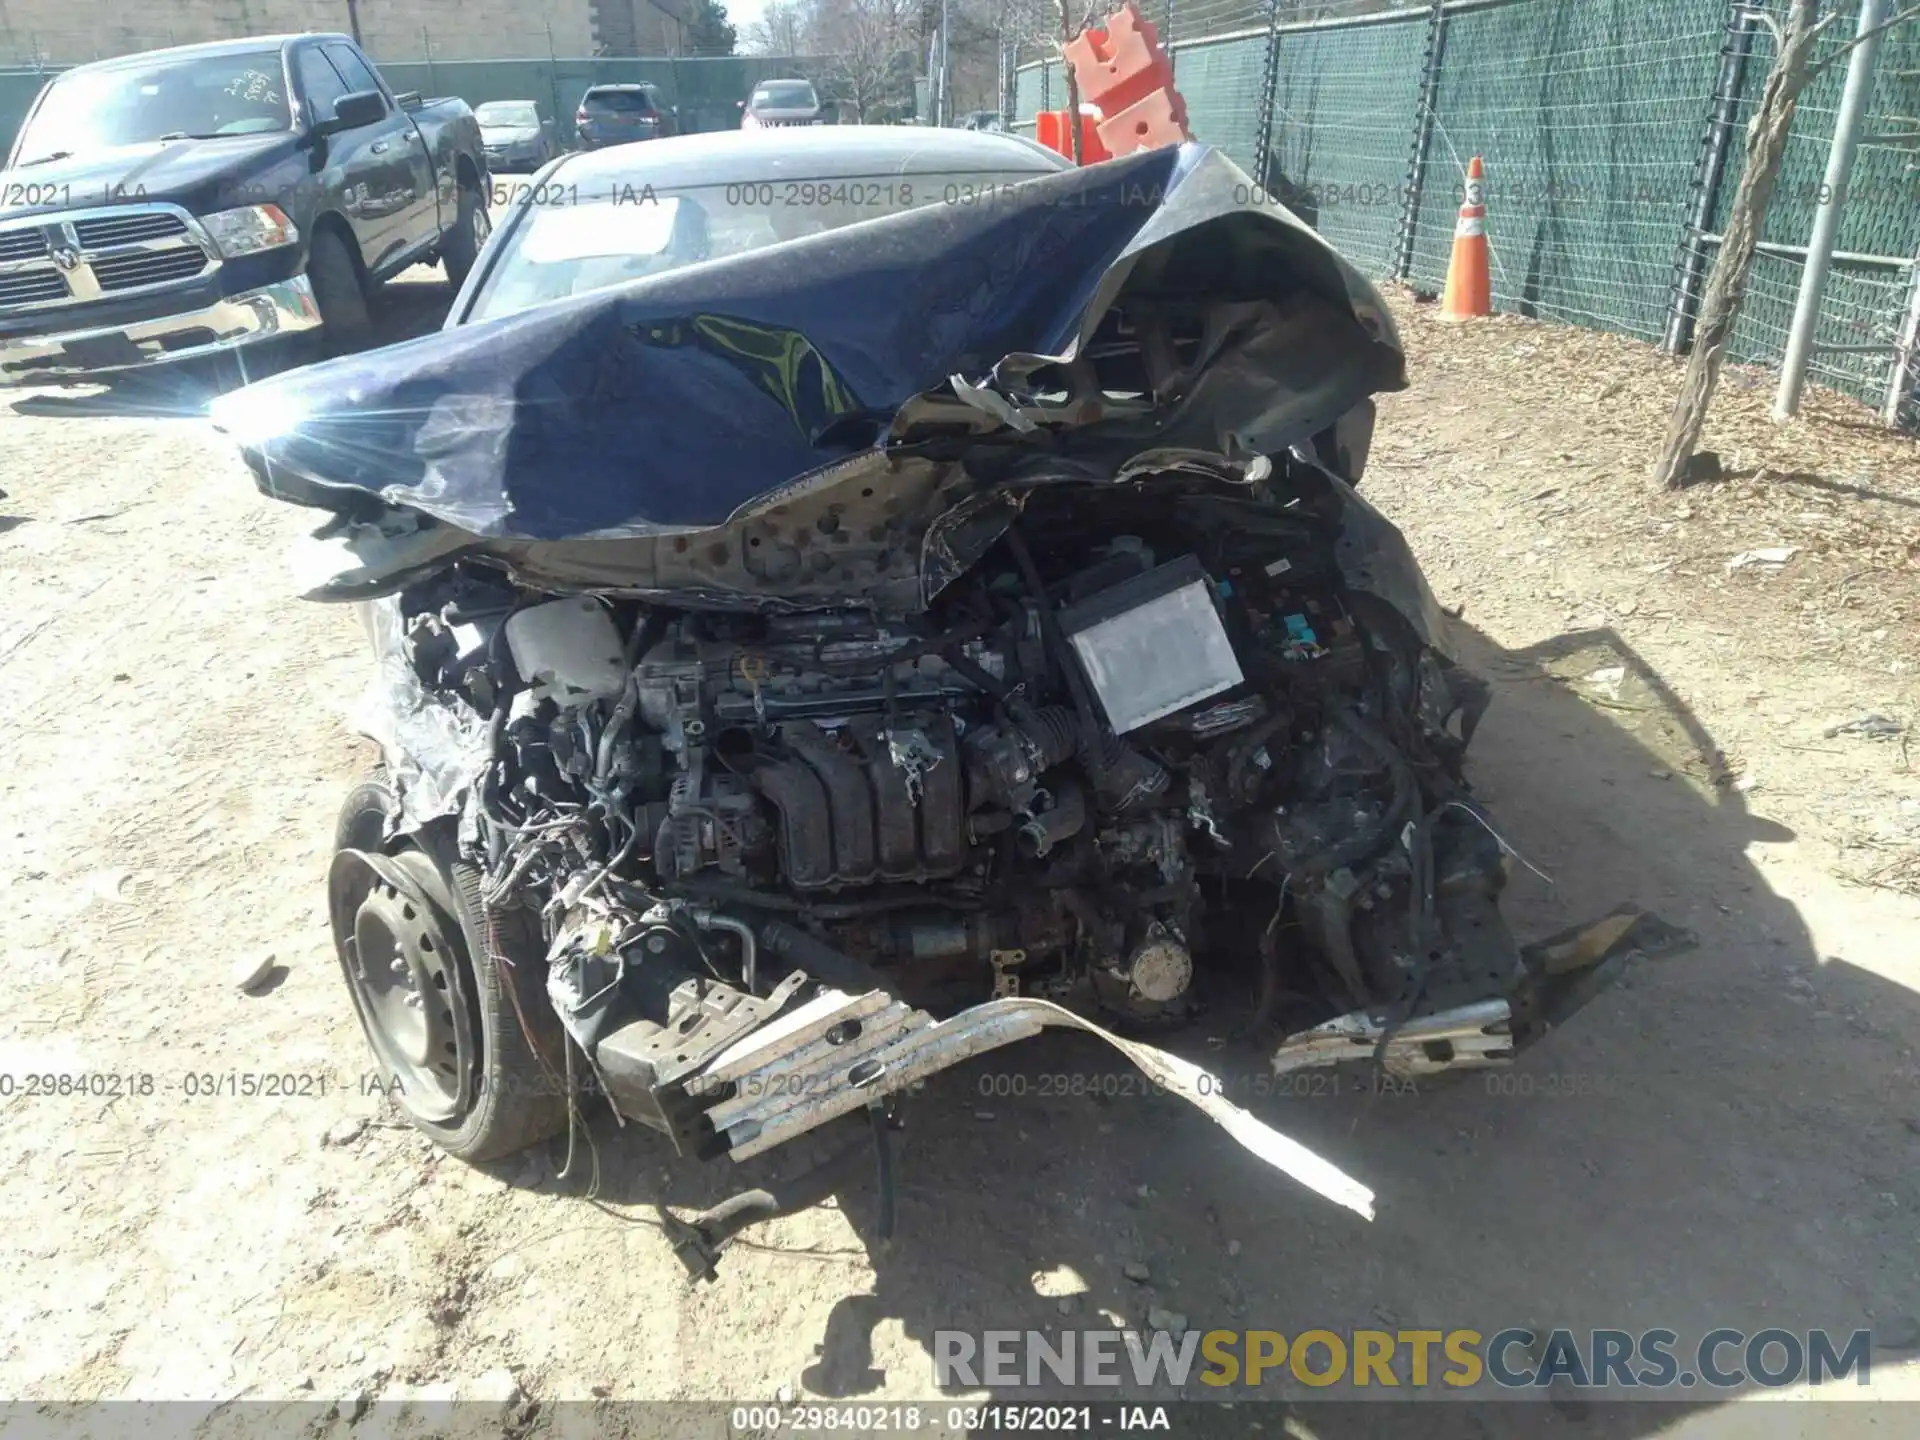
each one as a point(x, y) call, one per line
point(418, 222)
point(357, 165)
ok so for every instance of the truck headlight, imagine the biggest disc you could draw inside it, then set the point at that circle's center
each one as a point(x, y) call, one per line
point(249, 230)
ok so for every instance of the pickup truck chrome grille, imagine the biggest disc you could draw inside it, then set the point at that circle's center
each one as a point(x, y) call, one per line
point(50, 261)
point(153, 267)
point(33, 288)
point(124, 229)
point(22, 245)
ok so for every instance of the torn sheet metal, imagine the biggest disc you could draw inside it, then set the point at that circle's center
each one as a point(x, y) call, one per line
point(1563, 973)
point(1467, 1037)
point(433, 751)
point(839, 1053)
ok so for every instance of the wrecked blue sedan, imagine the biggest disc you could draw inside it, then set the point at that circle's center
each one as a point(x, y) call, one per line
point(848, 599)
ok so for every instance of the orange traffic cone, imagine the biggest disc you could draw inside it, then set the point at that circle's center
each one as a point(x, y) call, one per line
point(1469, 282)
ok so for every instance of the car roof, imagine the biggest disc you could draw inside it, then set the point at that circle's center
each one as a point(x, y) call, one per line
point(620, 85)
point(726, 157)
point(250, 45)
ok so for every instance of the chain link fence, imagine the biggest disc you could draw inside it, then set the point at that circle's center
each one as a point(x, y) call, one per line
point(1613, 134)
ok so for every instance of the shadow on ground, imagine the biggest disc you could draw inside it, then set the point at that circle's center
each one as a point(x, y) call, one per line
point(1715, 1141)
point(403, 310)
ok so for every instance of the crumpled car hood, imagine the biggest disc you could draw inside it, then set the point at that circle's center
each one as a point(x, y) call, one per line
point(690, 400)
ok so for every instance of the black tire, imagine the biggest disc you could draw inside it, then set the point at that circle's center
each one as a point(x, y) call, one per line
point(517, 1094)
point(346, 320)
point(470, 229)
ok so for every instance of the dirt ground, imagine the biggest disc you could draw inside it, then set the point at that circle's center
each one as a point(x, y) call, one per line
point(1727, 1138)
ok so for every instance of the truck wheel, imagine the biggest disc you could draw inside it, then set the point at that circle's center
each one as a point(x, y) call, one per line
point(451, 995)
point(470, 230)
point(346, 324)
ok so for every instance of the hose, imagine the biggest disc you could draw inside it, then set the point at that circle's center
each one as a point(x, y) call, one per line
point(750, 1207)
point(749, 943)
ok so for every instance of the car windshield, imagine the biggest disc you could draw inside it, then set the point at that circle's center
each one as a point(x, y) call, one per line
point(620, 101)
point(785, 95)
point(507, 113)
point(632, 232)
point(91, 110)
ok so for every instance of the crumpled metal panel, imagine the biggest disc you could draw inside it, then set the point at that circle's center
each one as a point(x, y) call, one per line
point(686, 399)
point(839, 1053)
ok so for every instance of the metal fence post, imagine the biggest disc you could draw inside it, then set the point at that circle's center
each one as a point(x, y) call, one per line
point(1422, 139)
point(1832, 205)
point(1709, 174)
point(1269, 81)
point(1166, 36)
point(553, 83)
point(1905, 379)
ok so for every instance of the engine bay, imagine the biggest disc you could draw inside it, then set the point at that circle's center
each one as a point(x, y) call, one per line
point(1150, 759)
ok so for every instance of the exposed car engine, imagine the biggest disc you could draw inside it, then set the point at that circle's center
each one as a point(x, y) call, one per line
point(1150, 754)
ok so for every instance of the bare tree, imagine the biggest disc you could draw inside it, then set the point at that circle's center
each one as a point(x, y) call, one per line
point(1767, 136)
point(869, 50)
point(778, 31)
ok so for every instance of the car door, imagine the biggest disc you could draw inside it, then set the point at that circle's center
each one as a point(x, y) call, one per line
point(407, 179)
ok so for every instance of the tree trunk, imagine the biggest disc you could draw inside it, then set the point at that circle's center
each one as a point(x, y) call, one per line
point(1767, 137)
point(1073, 81)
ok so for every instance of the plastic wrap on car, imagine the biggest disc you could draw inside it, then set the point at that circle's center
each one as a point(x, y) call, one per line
point(686, 400)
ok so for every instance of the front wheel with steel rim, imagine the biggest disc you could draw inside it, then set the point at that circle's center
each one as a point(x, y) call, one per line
point(450, 994)
point(470, 230)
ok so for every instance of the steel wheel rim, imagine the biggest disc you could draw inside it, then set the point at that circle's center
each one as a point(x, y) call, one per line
point(399, 950)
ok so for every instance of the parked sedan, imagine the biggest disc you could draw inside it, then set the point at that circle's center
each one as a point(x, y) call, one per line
point(516, 135)
point(616, 114)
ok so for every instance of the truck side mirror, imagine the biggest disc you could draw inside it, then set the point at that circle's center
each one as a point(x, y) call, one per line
point(354, 111)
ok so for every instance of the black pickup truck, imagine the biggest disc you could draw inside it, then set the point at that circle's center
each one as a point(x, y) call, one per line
point(211, 198)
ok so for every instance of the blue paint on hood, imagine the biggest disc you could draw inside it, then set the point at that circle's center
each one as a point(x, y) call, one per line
point(676, 402)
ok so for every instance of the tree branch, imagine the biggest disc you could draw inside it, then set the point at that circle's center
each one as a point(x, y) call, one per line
point(1912, 12)
point(1767, 138)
